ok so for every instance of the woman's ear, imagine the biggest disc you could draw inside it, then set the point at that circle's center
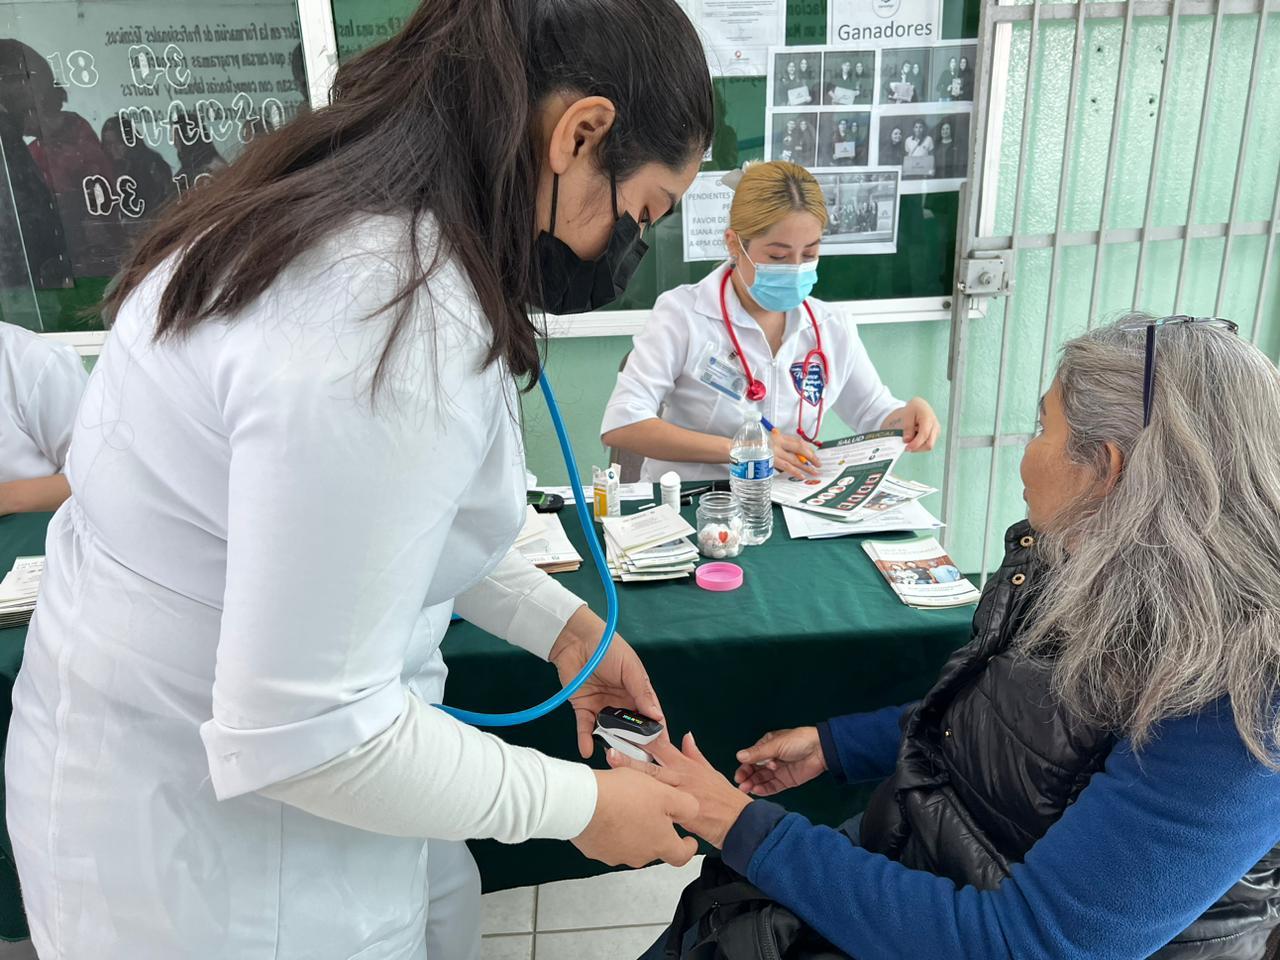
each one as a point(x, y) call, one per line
point(579, 131)
point(1115, 467)
point(732, 245)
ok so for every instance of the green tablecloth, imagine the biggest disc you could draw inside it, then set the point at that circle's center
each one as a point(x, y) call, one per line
point(813, 632)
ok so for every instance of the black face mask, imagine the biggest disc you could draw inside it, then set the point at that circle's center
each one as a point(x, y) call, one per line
point(573, 285)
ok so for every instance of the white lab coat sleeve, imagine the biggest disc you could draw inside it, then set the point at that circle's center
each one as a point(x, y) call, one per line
point(338, 514)
point(863, 401)
point(521, 604)
point(49, 412)
point(422, 778)
point(658, 356)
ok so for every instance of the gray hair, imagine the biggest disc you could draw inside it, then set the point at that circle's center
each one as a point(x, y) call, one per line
point(1164, 595)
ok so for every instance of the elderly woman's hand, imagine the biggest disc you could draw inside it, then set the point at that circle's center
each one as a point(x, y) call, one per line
point(720, 803)
point(780, 760)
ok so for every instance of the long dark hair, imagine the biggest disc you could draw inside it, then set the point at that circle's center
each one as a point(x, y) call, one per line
point(439, 120)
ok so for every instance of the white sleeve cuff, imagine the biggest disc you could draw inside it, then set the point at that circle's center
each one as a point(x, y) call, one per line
point(571, 799)
point(521, 604)
point(242, 760)
point(542, 616)
point(428, 775)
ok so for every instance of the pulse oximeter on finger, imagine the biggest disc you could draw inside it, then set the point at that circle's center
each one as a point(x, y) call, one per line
point(627, 732)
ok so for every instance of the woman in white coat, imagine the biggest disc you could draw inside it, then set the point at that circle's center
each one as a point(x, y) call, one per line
point(748, 340)
point(40, 386)
point(298, 454)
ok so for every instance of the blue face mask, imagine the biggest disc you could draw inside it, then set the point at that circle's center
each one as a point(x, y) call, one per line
point(782, 286)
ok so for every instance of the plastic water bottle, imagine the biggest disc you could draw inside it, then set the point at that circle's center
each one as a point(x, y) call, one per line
point(751, 479)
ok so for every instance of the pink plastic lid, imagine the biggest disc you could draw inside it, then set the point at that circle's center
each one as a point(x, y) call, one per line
point(719, 576)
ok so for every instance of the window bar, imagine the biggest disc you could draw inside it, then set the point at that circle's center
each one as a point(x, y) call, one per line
point(1007, 320)
point(1068, 141)
point(1266, 264)
point(970, 204)
point(1166, 82)
point(1206, 110)
point(1126, 42)
point(1250, 102)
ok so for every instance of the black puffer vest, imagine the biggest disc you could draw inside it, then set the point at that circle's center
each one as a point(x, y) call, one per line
point(989, 761)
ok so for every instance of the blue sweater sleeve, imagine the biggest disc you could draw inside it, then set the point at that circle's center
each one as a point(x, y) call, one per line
point(862, 746)
point(1148, 846)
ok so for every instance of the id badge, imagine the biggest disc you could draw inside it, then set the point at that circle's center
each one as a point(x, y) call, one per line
point(724, 374)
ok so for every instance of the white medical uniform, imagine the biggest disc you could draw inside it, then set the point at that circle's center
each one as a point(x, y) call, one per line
point(683, 369)
point(255, 569)
point(40, 386)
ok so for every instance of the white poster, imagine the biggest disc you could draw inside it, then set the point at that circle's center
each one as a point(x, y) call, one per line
point(737, 34)
point(705, 209)
point(884, 23)
point(128, 106)
point(837, 108)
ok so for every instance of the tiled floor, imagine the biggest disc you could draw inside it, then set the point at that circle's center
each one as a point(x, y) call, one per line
point(615, 917)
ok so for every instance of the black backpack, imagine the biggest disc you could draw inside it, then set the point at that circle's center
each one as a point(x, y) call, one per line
point(723, 917)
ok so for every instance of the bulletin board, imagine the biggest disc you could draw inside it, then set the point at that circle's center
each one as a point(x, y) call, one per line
point(924, 262)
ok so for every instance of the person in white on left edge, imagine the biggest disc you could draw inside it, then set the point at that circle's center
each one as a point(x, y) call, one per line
point(298, 454)
point(685, 390)
point(40, 387)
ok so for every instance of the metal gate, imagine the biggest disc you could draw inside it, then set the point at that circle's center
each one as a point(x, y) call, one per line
point(1144, 256)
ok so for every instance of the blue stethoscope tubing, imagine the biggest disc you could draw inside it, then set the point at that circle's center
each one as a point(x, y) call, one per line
point(602, 568)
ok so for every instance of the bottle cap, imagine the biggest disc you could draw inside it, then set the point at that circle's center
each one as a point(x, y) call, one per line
point(719, 577)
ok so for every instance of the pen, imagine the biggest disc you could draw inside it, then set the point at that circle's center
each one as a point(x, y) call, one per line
point(774, 430)
point(686, 498)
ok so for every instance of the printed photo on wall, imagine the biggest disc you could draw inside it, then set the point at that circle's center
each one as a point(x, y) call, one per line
point(794, 137)
point(843, 138)
point(931, 149)
point(862, 212)
point(848, 78)
point(904, 75)
point(939, 74)
point(795, 79)
point(952, 76)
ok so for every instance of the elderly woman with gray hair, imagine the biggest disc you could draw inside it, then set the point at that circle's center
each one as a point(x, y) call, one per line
point(1095, 774)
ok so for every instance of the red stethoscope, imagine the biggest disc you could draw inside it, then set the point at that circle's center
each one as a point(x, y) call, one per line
point(756, 390)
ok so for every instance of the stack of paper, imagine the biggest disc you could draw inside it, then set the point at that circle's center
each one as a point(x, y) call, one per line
point(544, 543)
point(653, 545)
point(921, 573)
point(854, 491)
point(18, 591)
point(894, 507)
